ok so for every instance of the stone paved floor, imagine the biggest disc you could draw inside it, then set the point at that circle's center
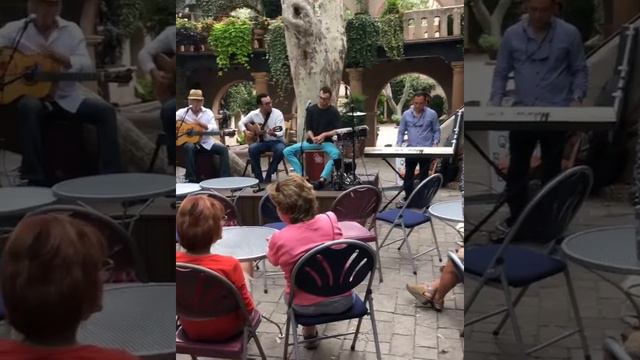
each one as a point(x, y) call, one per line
point(545, 311)
point(405, 330)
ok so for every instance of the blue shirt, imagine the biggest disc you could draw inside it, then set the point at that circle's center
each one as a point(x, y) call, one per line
point(423, 130)
point(547, 72)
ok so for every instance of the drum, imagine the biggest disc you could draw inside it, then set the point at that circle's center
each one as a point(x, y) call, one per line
point(344, 134)
point(362, 131)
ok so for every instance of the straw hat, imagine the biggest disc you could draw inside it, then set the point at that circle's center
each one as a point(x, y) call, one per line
point(195, 95)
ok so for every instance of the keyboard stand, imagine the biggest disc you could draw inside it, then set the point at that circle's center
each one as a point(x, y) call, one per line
point(501, 200)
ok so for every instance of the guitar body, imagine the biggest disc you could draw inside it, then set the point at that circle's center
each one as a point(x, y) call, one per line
point(188, 133)
point(166, 64)
point(19, 65)
point(251, 133)
point(39, 73)
point(192, 133)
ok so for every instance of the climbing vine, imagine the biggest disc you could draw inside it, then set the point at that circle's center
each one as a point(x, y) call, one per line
point(232, 37)
point(278, 57)
point(362, 41)
point(391, 30)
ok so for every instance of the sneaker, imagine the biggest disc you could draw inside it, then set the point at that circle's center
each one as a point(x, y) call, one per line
point(422, 293)
point(319, 185)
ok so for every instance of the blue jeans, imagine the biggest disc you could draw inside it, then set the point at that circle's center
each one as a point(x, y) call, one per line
point(256, 149)
point(292, 152)
point(192, 150)
point(33, 111)
point(168, 117)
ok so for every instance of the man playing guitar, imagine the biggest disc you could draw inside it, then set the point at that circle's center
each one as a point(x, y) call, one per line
point(164, 81)
point(264, 127)
point(197, 114)
point(44, 32)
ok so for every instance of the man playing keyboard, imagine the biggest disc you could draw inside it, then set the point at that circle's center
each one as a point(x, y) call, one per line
point(422, 127)
point(547, 59)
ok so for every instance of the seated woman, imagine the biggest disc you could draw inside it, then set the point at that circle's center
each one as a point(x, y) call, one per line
point(199, 224)
point(52, 281)
point(296, 203)
point(433, 294)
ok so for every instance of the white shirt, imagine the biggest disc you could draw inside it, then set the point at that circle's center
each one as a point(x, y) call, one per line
point(275, 119)
point(67, 39)
point(204, 116)
point(164, 43)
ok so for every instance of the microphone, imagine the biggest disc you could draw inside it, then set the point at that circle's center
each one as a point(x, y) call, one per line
point(308, 104)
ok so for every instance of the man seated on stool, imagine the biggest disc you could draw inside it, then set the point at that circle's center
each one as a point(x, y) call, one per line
point(269, 139)
point(45, 32)
point(422, 127)
point(321, 123)
point(195, 113)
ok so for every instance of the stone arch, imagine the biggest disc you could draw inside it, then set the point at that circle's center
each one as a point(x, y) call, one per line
point(379, 75)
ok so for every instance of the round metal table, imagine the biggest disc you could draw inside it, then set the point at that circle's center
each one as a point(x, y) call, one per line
point(184, 189)
point(138, 318)
point(116, 187)
point(448, 211)
point(123, 187)
point(245, 243)
point(609, 249)
point(21, 200)
point(229, 183)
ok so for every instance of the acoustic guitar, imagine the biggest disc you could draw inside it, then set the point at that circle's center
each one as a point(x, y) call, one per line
point(36, 74)
point(255, 133)
point(192, 133)
point(166, 64)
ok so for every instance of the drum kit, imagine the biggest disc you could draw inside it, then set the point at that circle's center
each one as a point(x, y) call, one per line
point(351, 143)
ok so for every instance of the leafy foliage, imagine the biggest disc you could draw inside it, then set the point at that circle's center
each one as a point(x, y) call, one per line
point(417, 83)
point(240, 98)
point(187, 37)
point(392, 35)
point(357, 100)
point(232, 37)
point(438, 104)
point(363, 36)
point(391, 30)
point(278, 57)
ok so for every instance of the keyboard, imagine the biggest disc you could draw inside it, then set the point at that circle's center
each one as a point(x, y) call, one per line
point(538, 118)
point(408, 152)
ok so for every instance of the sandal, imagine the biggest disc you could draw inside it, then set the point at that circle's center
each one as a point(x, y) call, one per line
point(424, 294)
point(313, 344)
point(437, 306)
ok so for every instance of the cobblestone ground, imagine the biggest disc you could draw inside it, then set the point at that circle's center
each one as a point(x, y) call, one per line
point(545, 310)
point(406, 331)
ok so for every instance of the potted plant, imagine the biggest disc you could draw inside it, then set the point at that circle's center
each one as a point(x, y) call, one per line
point(260, 26)
point(490, 44)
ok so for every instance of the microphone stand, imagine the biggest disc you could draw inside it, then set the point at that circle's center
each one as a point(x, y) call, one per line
point(182, 121)
point(3, 84)
point(354, 180)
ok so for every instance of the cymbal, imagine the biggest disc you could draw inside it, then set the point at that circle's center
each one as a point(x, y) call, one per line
point(355, 114)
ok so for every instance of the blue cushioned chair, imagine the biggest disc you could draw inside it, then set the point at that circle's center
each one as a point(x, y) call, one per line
point(528, 253)
point(410, 218)
point(329, 270)
point(268, 217)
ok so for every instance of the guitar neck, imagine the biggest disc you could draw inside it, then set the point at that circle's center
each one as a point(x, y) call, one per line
point(78, 76)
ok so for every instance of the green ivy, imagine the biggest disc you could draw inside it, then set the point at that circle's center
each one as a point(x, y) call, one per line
point(216, 8)
point(392, 35)
point(232, 37)
point(362, 41)
point(278, 57)
point(185, 24)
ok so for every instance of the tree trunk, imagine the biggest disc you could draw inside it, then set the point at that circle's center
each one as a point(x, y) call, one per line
point(316, 45)
point(397, 108)
point(491, 23)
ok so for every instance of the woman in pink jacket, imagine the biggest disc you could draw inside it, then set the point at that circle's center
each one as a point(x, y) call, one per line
point(297, 206)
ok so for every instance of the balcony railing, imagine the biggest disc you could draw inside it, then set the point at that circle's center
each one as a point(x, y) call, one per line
point(421, 25)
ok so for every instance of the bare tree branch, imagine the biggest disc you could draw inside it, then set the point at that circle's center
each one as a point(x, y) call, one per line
point(389, 95)
point(501, 10)
point(482, 15)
